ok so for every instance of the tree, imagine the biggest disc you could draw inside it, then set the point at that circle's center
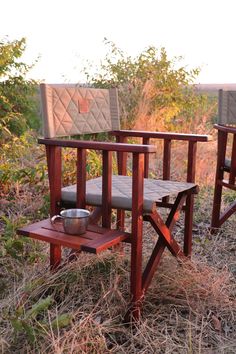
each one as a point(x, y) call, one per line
point(17, 103)
point(153, 92)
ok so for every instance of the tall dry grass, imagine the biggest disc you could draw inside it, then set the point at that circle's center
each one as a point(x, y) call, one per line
point(189, 308)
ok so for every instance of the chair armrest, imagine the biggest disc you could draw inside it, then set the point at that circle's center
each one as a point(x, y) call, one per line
point(97, 145)
point(167, 137)
point(226, 129)
point(162, 135)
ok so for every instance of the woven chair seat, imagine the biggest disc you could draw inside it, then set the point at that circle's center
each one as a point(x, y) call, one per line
point(154, 190)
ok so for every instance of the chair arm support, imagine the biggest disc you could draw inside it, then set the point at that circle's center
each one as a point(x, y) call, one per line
point(162, 135)
point(96, 145)
point(226, 129)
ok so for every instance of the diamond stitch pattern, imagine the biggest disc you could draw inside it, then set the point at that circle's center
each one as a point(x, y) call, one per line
point(66, 116)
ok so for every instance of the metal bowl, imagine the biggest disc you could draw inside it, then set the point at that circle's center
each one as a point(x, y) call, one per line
point(75, 221)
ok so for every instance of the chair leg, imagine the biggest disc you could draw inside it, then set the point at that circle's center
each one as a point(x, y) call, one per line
point(165, 233)
point(153, 263)
point(188, 226)
point(136, 276)
point(219, 176)
point(137, 235)
point(120, 224)
point(215, 219)
point(228, 212)
point(55, 256)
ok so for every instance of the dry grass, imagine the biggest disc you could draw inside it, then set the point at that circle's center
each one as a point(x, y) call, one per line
point(189, 308)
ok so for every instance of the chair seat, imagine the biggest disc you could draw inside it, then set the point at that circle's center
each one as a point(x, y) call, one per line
point(154, 190)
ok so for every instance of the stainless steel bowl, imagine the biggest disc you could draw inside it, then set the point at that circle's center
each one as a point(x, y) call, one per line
point(75, 221)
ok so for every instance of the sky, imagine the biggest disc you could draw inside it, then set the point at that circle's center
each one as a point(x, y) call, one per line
point(64, 35)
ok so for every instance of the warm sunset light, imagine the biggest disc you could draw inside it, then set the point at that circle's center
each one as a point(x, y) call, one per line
point(117, 176)
point(65, 34)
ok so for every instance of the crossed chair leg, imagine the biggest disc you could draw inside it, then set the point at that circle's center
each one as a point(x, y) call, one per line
point(218, 216)
point(140, 281)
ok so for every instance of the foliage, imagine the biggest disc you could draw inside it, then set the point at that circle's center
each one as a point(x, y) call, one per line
point(12, 246)
point(151, 87)
point(28, 321)
point(18, 103)
point(22, 163)
point(23, 188)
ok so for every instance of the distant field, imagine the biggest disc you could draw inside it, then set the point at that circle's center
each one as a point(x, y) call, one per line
point(213, 88)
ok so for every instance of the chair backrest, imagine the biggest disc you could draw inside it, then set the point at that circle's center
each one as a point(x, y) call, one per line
point(69, 109)
point(227, 107)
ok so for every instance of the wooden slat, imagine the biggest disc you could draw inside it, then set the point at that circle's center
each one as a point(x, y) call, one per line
point(137, 234)
point(122, 170)
point(26, 230)
point(97, 145)
point(162, 135)
point(192, 155)
point(89, 235)
point(225, 128)
point(166, 164)
point(54, 172)
point(122, 157)
point(97, 229)
point(106, 188)
point(226, 184)
point(58, 238)
point(166, 205)
point(166, 159)
point(81, 178)
point(46, 224)
point(221, 150)
point(104, 242)
point(232, 173)
point(146, 141)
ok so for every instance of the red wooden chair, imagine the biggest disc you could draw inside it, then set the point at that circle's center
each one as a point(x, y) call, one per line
point(71, 110)
point(226, 156)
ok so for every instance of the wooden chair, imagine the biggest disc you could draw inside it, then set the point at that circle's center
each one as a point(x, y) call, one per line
point(72, 110)
point(226, 156)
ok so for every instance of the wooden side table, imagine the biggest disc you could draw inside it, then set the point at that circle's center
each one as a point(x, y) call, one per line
point(95, 240)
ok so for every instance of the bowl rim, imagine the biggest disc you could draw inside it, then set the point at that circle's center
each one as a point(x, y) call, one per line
point(75, 217)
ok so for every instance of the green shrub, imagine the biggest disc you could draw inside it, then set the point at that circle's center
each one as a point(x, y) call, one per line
point(22, 163)
point(18, 100)
point(152, 88)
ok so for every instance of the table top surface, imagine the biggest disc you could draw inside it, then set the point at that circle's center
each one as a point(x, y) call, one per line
point(95, 240)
